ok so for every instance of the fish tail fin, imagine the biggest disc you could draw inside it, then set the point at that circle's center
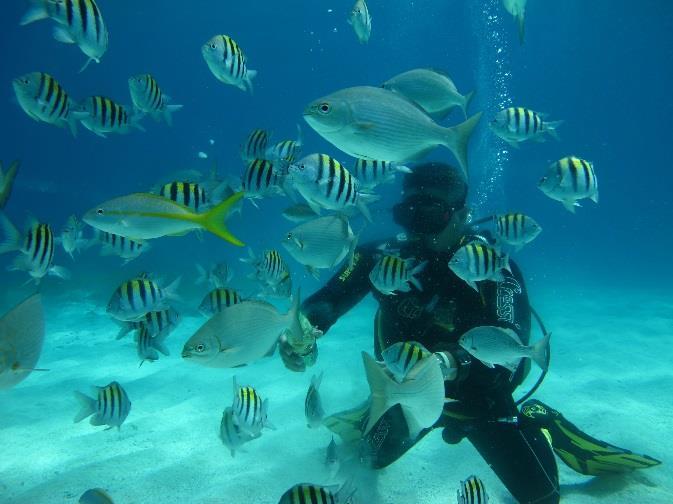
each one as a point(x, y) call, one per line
point(520, 21)
point(125, 328)
point(158, 342)
point(36, 12)
point(87, 406)
point(265, 410)
point(415, 271)
point(466, 102)
point(168, 113)
point(539, 351)
point(72, 125)
point(551, 127)
point(214, 219)
point(11, 239)
point(458, 137)
point(171, 290)
point(248, 80)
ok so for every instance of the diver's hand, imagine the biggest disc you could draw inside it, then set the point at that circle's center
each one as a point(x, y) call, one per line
point(297, 358)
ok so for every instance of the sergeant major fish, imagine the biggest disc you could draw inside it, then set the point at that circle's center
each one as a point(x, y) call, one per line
point(361, 21)
point(7, 181)
point(190, 194)
point(121, 246)
point(332, 461)
point(134, 298)
point(110, 407)
point(285, 151)
point(472, 491)
point(105, 116)
point(372, 173)
point(149, 344)
point(250, 411)
point(148, 98)
point(518, 124)
point(569, 180)
point(217, 300)
point(516, 229)
point(392, 273)
point(227, 62)
point(476, 262)
point(231, 433)
point(255, 145)
point(79, 22)
point(154, 322)
point(304, 493)
point(312, 404)
point(401, 357)
point(271, 270)
point(261, 178)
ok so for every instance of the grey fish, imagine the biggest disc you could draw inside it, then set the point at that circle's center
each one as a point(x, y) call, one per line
point(375, 123)
point(110, 407)
point(478, 261)
point(217, 300)
point(95, 496)
point(431, 90)
point(401, 357)
point(472, 491)
point(7, 181)
point(149, 344)
point(154, 322)
point(321, 243)
point(121, 246)
point(300, 212)
point(21, 339)
point(361, 21)
point(517, 124)
point(72, 239)
point(250, 410)
point(392, 273)
point(148, 98)
point(569, 180)
point(332, 461)
point(495, 345)
point(516, 229)
point(241, 334)
point(312, 403)
point(227, 62)
point(231, 433)
point(138, 296)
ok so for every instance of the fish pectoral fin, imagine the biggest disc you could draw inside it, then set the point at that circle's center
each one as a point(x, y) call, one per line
point(62, 35)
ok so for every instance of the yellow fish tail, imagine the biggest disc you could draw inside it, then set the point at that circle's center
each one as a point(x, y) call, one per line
point(214, 219)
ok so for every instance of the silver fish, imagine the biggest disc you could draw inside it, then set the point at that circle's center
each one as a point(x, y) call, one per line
point(502, 346)
point(569, 180)
point(126, 248)
point(149, 344)
point(321, 243)
point(517, 124)
point(72, 239)
point(227, 62)
point(401, 357)
point(79, 22)
point(217, 277)
point(517, 8)
point(148, 98)
point(250, 411)
point(300, 212)
point(392, 273)
point(231, 434)
point(476, 262)
point(241, 334)
point(431, 90)
point(110, 407)
point(21, 339)
point(361, 21)
point(155, 323)
point(7, 181)
point(95, 496)
point(372, 173)
point(376, 123)
point(332, 461)
point(217, 300)
point(472, 491)
point(135, 297)
point(312, 403)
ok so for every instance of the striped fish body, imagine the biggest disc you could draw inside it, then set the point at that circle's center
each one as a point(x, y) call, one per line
point(106, 116)
point(250, 411)
point(472, 491)
point(286, 151)
point(227, 62)
point(110, 407)
point(270, 268)
point(231, 434)
point(401, 357)
point(190, 194)
point(148, 345)
point(261, 178)
point(217, 300)
point(154, 322)
point(79, 22)
point(361, 21)
point(372, 173)
point(313, 409)
point(516, 229)
point(255, 145)
point(568, 180)
point(126, 248)
point(477, 262)
point(44, 100)
point(518, 124)
point(391, 274)
point(305, 493)
point(134, 298)
point(148, 98)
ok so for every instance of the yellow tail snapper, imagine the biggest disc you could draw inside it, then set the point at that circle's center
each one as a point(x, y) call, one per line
point(45, 100)
point(361, 21)
point(516, 229)
point(7, 181)
point(148, 98)
point(105, 116)
point(476, 262)
point(145, 216)
point(518, 124)
point(79, 22)
point(217, 300)
point(110, 407)
point(36, 247)
point(227, 62)
point(568, 180)
point(250, 411)
point(305, 493)
point(472, 491)
point(517, 8)
point(392, 273)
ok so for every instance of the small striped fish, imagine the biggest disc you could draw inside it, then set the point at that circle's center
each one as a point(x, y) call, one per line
point(250, 411)
point(392, 273)
point(516, 229)
point(105, 116)
point(270, 268)
point(313, 409)
point(148, 345)
point(110, 407)
point(134, 298)
point(518, 124)
point(227, 62)
point(568, 180)
point(79, 22)
point(232, 436)
point(372, 173)
point(148, 98)
point(261, 179)
point(403, 356)
point(36, 247)
point(472, 491)
point(45, 100)
point(255, 145)
point(126, 248)
point(361, 21)
point(477, 261)
point(190, 194)
point(154, 322)
point(286, 151)
point(308, 493)
point(217, 300)
point(326, 183)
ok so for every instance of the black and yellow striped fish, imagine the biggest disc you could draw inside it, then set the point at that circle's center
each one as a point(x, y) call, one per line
point(44, 99)
point(126, 248)
point(401, 357)
point(472, 491)
point(154, 322)
point(518, 124)
point(478, 261)
point(255, 144)
point(148, 345)
point(570, 179)
point(250, 411)
point(148, 98)
point(217, 300)
point(134, 298)
point(392, 273)
point(106, 116)
point(516, 229)
point(227, 62)
point(261, 178)
point(189, 194)
point(371, 173)
point(308, 493)
point(110, 407)
point(286, 151)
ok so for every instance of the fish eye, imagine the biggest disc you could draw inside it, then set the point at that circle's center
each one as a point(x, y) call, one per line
point(301, 167)
point(200, 347)
point(99, 211)
point(289, 236)
point(213, 46)
point(324, 108)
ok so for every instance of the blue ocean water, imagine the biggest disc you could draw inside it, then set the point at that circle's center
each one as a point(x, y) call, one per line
point(604, 67)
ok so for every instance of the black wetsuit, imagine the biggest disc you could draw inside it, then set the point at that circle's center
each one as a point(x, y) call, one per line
point(436, 317)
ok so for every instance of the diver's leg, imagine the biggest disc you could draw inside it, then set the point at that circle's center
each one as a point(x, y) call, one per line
point(521, 458)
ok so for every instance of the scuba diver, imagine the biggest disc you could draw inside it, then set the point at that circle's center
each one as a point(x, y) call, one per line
point(518, 444)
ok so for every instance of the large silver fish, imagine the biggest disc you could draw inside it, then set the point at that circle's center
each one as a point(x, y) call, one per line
point(7, 181)
point(379, 124)
point(21, 338)
point(241, 334)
